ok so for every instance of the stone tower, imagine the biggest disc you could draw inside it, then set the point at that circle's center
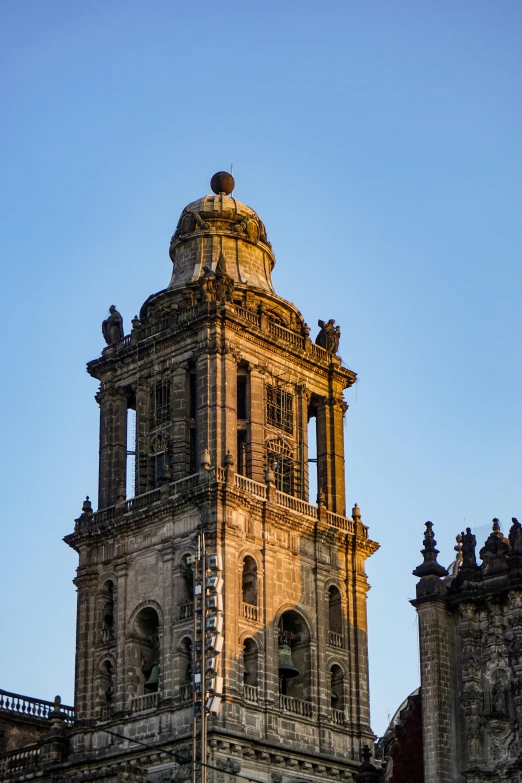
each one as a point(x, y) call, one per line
point(205, 411)
point(470, 632)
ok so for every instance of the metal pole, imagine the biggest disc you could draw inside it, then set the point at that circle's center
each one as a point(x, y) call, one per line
point(203, 663)
point(194, 659)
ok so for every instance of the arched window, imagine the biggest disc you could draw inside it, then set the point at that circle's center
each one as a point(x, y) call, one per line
point(294, 657)
point(280, 459)
point(107, 630)
point(250, 672)
point(335, 617)
point(146, 627)
point(337, 688)
point(105, 682)
point(249, 581)
point(186, 590)
point(185, 669)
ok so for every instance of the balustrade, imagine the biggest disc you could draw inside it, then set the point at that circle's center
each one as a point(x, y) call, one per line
point(250, 612)
point(296, 504)
point(184, 484)
point(142, 501)
point(340, 522)
point(296, 706)
point(106, 514)
point(149, 701)
point(250, 692)
point(248, 485)
point(186, 611)
point(276, 330)
point(104, 713)
point(16, 761)
point(248, 315)
point(185, 692)
point(335, 639)
point(338, 717)
point(36, 708)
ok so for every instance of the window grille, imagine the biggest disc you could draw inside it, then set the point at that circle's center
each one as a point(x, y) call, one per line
point(279, 408)
point(160, 408)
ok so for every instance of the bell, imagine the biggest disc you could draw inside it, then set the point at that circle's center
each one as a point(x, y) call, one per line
point(153, 680)
point(286, 666)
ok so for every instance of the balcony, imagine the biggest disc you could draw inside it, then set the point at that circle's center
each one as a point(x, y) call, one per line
point(186, 611)
point(335, 639)
point(251, 694)
point(176, 488)
point(250, 612)
point(149, 701)
point(34, 708)
point(295, 706)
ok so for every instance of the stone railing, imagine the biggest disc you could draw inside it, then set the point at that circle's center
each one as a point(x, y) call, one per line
point(335, 639)
point(255, 488)
point(34, 708)
point(17, 761)
point(107, 635)
point(249, 485)
point(296, 504)
point(142, 501)
point(250, 693)
point(248, 315)
point(149, 701)
point(281, 332)
point(105, 515)
point(296, 706)
point(123, 343)
point(250, 612)
point(104, 713)
point(185, 692)
point(186, 611)
point(184, 484)
point(338, 717)
point(342, 523)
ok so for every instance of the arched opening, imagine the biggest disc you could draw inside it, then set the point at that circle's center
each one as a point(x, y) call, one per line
point(186, 590)
point(281, 460)
point(146, 633)
point(249, 581)
point(185, 668)
point(105, 684)
point(312, 454)
point(294, 660)
point(250, 672)
point(335, 617)
point(337, 689)
point(107, 631)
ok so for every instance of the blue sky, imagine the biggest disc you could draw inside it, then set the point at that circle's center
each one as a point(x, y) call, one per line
point(381, 144)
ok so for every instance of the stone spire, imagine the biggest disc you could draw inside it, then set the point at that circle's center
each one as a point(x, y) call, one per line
point(429, 566)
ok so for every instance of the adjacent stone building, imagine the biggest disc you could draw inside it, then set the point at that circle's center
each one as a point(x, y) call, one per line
point(470, 631)
point(205, 413)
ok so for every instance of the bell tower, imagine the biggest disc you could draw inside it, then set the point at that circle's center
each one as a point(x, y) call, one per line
point(205, 412)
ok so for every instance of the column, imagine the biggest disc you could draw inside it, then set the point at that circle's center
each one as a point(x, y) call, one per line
point(142, 436)
point(113, 444)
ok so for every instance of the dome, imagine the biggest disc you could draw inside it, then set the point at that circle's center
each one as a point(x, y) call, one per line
point(220, 225)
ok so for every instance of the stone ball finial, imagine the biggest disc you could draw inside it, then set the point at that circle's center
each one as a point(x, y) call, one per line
point(222, 182)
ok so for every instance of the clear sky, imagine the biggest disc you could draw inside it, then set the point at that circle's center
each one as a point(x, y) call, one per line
point(381, 143)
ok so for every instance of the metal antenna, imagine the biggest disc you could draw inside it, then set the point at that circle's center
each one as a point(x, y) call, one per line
point(232, 169)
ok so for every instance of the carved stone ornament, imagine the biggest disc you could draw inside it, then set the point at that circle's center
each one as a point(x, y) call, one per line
point(188, 222)
point(112, 327)
point(472, 703)
point(329, 336)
